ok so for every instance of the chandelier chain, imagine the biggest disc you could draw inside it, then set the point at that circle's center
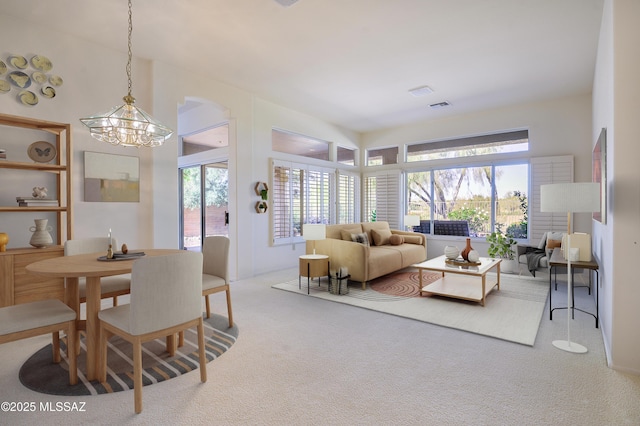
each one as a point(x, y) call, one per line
point(129, 46)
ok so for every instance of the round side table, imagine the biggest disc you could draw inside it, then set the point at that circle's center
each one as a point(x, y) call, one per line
point(313, 266)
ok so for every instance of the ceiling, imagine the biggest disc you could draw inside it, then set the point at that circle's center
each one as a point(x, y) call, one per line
point(352, 62)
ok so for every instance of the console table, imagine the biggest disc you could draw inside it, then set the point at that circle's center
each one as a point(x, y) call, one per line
point(557, 260)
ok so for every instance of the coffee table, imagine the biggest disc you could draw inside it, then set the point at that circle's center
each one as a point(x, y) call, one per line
point(460, 282)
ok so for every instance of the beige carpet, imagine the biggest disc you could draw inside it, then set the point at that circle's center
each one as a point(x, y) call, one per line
point(513, 313)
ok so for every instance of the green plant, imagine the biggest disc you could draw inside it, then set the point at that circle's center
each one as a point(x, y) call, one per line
point(501, 245)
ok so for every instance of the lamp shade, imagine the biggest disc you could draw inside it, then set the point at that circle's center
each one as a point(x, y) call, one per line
point(580, 197)
point(411, 220)
point(314, 231)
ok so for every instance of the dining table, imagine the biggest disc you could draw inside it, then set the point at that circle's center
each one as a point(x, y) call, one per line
point(92, 267)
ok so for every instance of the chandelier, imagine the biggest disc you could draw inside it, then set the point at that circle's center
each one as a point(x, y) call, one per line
point(127, 125)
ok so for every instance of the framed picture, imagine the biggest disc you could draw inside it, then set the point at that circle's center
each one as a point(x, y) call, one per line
point(111, 178)
point(599, 174)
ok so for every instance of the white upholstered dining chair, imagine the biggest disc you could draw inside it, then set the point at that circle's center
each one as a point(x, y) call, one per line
point(110, 287)
point(215, 271)
point(165, 299)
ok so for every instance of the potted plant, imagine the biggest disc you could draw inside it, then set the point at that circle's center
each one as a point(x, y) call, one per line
point(501, 245)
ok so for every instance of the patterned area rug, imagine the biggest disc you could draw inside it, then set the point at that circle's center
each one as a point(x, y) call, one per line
point(40, 374)
point(513, 313)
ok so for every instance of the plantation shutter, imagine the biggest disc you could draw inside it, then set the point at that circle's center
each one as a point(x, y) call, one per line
point(299, 194)
point(382, 195)
point(348, 196)
point(546, 170)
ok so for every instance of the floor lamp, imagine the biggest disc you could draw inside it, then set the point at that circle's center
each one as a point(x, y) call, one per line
point(570, 198)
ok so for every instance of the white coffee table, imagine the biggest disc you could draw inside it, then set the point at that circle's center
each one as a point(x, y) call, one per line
point(467, 283)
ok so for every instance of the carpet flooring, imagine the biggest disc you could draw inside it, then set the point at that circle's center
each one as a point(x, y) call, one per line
point(40, 374)
point(512, 313)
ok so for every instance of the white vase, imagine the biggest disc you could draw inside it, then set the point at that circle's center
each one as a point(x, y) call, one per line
point(451, 252)
point(474, 256)
point(41, 237)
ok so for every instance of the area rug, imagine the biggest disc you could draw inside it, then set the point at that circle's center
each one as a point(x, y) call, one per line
point(513, 313)
point(40, 374)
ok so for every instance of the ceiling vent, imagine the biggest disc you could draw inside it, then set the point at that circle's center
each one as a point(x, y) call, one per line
point(286, 3)
point(421, 91)
point(440, 104)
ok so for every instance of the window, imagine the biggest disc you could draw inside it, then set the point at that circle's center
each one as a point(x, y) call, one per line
point(301, 194)
point(303, 146)
point(346, 156)
point(214, 138)
point(469, 147)
point(348, 198)
point(382, 156)
point(485, 197)
point(381, 198)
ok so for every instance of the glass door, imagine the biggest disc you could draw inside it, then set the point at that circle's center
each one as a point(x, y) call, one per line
point(204, 199)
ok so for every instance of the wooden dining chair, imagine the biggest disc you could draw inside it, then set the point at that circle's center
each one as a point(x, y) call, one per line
point(215, 271)
point(42, 317)
point(110, 287)
point(165, 299)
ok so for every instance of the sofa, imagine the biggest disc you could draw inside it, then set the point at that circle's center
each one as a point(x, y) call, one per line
point(370, 249)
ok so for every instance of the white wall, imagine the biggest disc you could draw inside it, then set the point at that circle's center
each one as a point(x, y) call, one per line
point(92, 83)
point(616, 107)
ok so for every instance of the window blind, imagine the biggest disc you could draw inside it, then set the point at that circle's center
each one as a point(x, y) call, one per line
point(547, 170)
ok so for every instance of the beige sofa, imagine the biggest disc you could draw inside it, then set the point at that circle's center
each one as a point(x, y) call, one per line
point(368, 261)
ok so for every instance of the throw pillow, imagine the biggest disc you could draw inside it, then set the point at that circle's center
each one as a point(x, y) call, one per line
point(413, 239)
point(551, 244)
point(345, 235)
point(360, 238)
point(380, 237)
point(395, 239)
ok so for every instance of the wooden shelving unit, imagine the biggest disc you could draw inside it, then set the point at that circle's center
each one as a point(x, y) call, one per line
point(16, 286)
point(61, 167)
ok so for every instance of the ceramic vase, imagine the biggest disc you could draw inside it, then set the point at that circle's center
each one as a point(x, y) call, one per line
point(41, 237)
point(474, 256)
point(465, 252)
point(451, 252)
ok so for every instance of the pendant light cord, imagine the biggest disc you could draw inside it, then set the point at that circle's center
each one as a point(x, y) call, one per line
point(129, 99)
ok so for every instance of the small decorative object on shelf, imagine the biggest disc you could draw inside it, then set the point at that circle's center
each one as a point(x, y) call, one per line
point(4, 240)
point(262, 190)
point(261, 206)
point(465, 252)
point(41, 237)
point(36, 202)
point(461, 263)
point(110, 248)
point(125, 249)
point(39, 192)
point(3, 154)
point(451, 252)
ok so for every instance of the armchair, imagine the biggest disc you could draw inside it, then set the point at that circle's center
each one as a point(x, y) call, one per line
point(536, 257)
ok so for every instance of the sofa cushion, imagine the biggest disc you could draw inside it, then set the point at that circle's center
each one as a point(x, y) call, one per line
point(378, 226)
point(335, 231)
point(551, 244)
point(380, 237)
point(413, 239)
point(396, 240)
point(361, 238)
point(551, 235)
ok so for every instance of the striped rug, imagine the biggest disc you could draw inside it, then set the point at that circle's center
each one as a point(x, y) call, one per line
point(40, 374)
